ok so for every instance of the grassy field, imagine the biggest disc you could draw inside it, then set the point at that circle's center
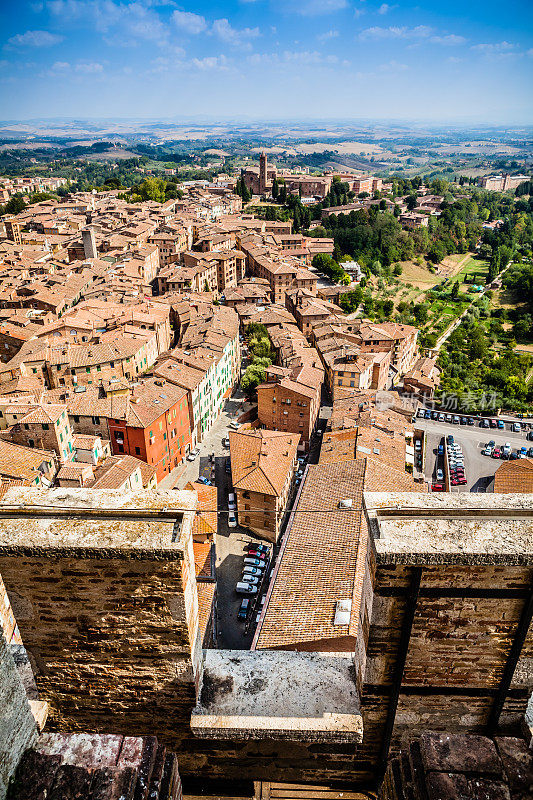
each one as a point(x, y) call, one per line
point(474, 266)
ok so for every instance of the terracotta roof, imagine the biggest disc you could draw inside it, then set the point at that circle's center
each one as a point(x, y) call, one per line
point(205, 521)
point(318, 565)
point(262, 459)
point(514, 476)
point(19, 462)
point(206, 597)
point(203, 561)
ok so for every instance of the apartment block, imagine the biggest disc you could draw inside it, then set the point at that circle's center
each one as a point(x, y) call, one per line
point(262, 470)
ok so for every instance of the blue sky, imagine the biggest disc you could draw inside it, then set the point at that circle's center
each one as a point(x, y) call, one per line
point(274, 59)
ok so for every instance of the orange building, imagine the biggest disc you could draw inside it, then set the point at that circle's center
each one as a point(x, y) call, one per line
point(156, 428)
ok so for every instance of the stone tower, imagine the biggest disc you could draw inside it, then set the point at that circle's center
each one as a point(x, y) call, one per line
point(263, 173)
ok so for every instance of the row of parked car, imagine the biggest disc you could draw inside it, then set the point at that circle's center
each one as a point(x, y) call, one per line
point(456, 462)
point(255, 563)
point(457, 419)
point(506, 452)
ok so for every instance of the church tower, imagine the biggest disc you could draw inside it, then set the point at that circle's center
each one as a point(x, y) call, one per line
point(263, 172)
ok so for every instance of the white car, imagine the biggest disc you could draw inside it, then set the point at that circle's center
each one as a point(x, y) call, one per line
point(251, 579)
point(193, 454)
point(234, 425)
point(232, 520)
point(440, 475)
point(231, 501)
point(245, 588)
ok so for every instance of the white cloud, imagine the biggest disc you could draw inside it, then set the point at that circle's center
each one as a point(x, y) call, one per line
point(324, 37)
point(301, 57)
point(393, 66)
point(393, 32)
point(189, 22)
point(127, 22)
point(89, 67)
point(60, 66)
point(494, 47)
point(448, 40)
point(211, 63)
point(233, 36)
point(312, 8)
point(35, 39)
point(385, 8)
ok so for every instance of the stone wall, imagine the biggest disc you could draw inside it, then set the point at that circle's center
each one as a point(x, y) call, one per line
point(17, 724)
point(464, 624)
point(108, 640)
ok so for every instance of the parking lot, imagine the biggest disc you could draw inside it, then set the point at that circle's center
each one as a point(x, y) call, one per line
point(479, 469)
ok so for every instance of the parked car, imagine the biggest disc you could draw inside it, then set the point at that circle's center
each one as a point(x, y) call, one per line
point(448, 417)
point(248, 570)
point(440, 449)
point(244, 608)
point(245, 588)
point(484, 423)
point(225, 442)
point(232, 520)
point(434, 415)
point(251, 561)
point(234, 425)
point(193, 454)
point(470, 420)
point(487, 451)
point(455, 419)
point(530, 436)
point(517, 427)
point(496, 452)
point(427, 414)
point(263, 548)
point(231, 501)
point(493, 423)
point(506, 450)
point(530, 452)
point(418, 444)
point(463, 420)
point(491, 443)
point(421, 412)
point(501, 424)
point(437, 487)
point(513, 456)
point(205, 481)
point(227, 465)
point(440, 475)
point(257, 554)
point(251, 579)
point(462, 481)
point(441, 417)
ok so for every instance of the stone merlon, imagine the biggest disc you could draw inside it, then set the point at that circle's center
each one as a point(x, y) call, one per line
point(273, 695)
point(103, 524)
point(417, 529)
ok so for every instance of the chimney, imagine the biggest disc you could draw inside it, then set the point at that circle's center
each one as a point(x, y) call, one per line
point(89, 243)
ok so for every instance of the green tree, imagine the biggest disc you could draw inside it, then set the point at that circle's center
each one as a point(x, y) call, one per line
point(275, 188)
point(454, 294)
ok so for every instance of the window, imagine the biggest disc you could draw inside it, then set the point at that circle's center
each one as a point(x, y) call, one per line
point(96, 420)
point(76, 418)
point(31, 443)
point(246, 495)
point(26, 426)
point(87, 369)
point(45, 426)
point(137, 451)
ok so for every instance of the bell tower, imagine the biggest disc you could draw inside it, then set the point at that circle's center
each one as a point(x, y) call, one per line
point(263, 172)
